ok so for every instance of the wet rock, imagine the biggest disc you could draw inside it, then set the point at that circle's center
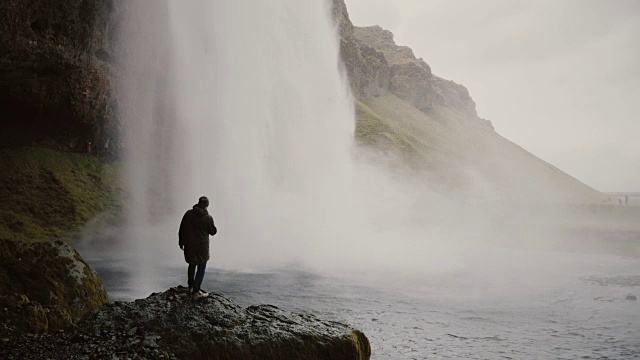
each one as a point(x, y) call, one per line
point(55, 72)
point(170, 325)
point(44, 287)
point(631, 297)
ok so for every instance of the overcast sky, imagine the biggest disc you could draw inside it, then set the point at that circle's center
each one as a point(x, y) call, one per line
point(561, 78)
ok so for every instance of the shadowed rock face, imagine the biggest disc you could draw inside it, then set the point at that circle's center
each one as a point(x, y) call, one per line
point(172, 325)
point(55, 81)
point(44, 287)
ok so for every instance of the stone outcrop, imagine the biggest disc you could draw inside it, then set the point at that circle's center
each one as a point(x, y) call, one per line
point(367, 69)
point(376, 65)
point(44, 287)
point(170, 325)
point(55, 77)
point(411, 78)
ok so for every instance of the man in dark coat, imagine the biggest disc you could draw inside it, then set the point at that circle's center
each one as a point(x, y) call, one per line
point(193, 238)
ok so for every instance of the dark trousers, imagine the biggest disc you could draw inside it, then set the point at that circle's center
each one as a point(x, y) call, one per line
point(196, 282)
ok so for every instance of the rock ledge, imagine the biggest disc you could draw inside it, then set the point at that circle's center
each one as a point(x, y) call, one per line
point(169, 325)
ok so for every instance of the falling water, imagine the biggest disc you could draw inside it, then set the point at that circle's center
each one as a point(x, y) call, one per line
point(243, 103)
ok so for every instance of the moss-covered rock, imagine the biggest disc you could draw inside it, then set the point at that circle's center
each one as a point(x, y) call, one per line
point(170, 325)
point(44, 287)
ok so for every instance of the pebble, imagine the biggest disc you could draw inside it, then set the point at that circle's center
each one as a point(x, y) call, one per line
point(631, 297)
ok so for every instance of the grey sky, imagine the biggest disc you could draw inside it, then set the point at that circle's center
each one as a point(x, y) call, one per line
point(560, 78)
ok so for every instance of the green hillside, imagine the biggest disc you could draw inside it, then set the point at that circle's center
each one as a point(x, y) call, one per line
point(47, 194)
point(463, 154)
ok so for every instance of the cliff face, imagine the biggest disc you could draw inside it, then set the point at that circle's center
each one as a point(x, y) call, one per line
point(55, 82)
point(367, 68)
point(376, 65)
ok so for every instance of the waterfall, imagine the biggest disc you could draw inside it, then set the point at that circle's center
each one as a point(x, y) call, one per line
point(243, 102)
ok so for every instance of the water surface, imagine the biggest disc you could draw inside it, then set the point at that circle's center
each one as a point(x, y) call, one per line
point(583, 316)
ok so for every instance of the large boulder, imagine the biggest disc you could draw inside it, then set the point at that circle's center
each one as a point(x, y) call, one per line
point(44, 287)
point(170, 325)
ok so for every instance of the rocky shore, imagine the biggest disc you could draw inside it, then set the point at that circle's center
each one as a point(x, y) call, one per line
point(54, 306)
point(169, 325)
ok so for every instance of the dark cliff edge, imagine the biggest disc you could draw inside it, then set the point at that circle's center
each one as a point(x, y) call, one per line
point(169, 325)
point(55, 74)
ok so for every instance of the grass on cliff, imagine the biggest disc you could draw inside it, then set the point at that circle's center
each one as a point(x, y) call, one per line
point(48, 195)
point(375, 131)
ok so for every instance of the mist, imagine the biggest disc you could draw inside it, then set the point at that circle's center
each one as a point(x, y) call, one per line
point(252, 109)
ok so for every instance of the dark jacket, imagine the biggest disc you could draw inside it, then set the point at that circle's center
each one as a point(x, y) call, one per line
point(195, 228)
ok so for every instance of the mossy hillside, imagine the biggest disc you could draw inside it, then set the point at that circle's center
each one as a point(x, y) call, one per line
point(47, 194)
point(393, 126)
point(434, 136)
point(384, 134)
point(465, 154)
point(375, 131)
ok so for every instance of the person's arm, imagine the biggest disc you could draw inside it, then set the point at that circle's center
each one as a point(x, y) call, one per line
point(181, 233)
point(212, 227)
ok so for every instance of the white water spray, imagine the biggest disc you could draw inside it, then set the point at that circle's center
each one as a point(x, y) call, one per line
point(243, 103)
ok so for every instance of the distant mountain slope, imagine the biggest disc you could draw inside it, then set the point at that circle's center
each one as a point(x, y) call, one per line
point(469, 157)
point(431, 125)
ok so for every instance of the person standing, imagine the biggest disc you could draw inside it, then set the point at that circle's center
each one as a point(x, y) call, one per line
point(193, 239)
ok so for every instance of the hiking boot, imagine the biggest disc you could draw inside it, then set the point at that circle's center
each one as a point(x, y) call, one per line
point(199, 295)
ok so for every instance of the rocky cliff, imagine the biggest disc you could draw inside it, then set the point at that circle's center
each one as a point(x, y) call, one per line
point(376, 65)
point(55, 78)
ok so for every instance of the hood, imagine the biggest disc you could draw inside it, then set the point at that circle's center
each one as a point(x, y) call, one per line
point(199, 211)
